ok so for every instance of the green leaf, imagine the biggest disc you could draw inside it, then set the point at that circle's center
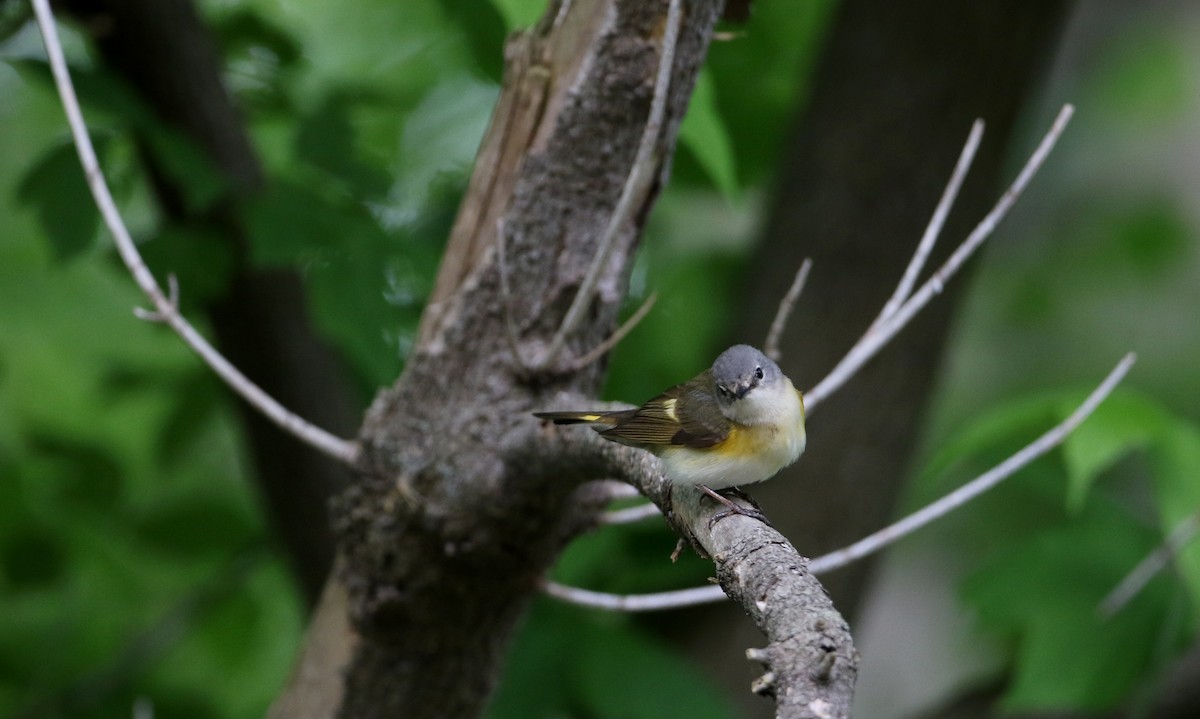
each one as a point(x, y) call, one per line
point(327, 140)
point(182, 526)
point(542, 656)
point(1042, 593)
point(1176, 461)
point(762, 73)
point(13, 17)
point(1123, 423)
point(627, 675)
point(519, 14)
point(1011, 424)
point(289, 222)
point(484, 29)
point(688, 323)
point(56, 190)
point(244, 31)
point(704, 133)
point(596, 664)
point(99, 91)
point(189, 166)
point(202, 262)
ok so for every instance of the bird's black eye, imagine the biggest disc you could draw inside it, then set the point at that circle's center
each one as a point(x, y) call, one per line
point(758, 373)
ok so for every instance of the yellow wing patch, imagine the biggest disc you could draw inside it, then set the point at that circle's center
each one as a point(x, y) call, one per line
point(669, 408)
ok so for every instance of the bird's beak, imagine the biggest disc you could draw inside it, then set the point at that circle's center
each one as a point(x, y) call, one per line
point(742, 389)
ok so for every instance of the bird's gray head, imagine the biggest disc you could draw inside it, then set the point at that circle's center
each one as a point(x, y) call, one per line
point(739, 370)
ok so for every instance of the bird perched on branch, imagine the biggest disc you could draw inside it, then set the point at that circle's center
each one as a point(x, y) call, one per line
point(737, 423)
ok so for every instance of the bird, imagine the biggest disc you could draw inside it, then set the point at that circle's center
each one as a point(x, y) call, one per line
point(736, 423)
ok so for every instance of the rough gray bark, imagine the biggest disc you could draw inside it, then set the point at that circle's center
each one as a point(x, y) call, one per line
point(464, 499)
point(443, 537)
point(810, 662)
point(164, 51)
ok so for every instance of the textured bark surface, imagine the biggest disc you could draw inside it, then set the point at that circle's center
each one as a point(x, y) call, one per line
point(810, 663)
point(163, 50)
point(449, 528)
point(897, 88)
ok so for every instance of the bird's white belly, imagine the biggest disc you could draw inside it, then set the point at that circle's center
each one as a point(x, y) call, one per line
point(749, 456)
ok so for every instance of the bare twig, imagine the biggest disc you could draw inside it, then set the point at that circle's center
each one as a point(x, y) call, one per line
point(1043, 444)
point(615, 489)
point(873, 341)
point(934, 228)
point(165, 309)
point(172, 299)
point(884, 537)
point(510, 327)
point(1140, 576)
point(652, 602)
point(629, 515)
point(606, 346)
point(639, 176)
point(771, 346)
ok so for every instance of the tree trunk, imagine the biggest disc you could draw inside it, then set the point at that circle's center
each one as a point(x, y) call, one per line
point(453, 520)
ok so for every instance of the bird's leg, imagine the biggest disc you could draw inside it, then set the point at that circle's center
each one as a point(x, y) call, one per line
point(733, 507)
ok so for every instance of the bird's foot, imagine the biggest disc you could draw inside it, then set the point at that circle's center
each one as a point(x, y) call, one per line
point(732, 507)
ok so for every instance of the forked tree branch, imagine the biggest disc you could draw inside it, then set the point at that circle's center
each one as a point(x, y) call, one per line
point(934, 229)
point(810, 659)
point(898, 310)
point(635, 186)
point(771, 345)
point(873, 543)
point(880, 333)
point(166, 310)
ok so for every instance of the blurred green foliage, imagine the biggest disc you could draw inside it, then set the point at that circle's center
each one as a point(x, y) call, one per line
point(1050, 544)
point(134, 561)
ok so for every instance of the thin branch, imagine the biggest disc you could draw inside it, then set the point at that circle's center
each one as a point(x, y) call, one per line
point(616, 489)
point(1040, 446)
point(934, 228)
point(172, 299)
point(606, 346)
point(771, 346)
point(652, 602)
point(510, 327)
point(1152, 564)
point(639, 176)
point(888, 535)
point(165, 309)
point(873, 341)
point(629, 515)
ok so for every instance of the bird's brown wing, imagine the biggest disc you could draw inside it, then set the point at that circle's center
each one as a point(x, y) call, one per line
point(685, 415)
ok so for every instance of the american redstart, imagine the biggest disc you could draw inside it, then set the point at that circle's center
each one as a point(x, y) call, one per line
point(737, 423)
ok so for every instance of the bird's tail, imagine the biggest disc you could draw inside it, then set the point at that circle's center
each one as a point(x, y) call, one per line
point(598, 419)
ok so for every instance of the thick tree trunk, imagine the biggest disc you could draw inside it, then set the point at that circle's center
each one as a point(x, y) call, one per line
point(453, 521)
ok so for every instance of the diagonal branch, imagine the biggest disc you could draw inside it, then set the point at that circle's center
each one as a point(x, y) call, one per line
point(639, 177)
point(165, 309)
point(810, 659)
point(881, 333)
point(934, 228)
point(1152, 564)
point(889, 535)
point(771, 346)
